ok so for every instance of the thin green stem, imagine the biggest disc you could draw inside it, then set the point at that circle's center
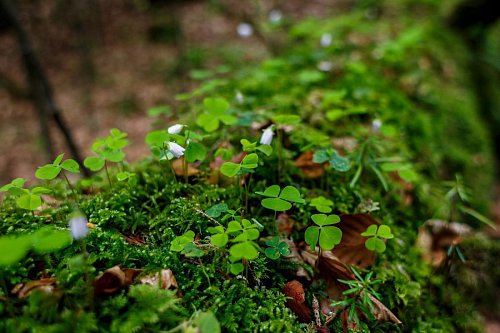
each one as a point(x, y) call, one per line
point(75, 196)
point(280, 147)
point(172, 170)
point(107, 172)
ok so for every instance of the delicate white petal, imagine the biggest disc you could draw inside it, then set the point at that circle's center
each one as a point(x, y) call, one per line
point(376, 125)
point(245, 30)
point(326, 40)
point(78, 227)
point(239, 97)
point(175, 129)
point(325, 66)
point(275, 15)
point(267, 136)
point(176, 149)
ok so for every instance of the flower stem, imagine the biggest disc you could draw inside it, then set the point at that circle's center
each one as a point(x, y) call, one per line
point(71, 187)
point(107, 172)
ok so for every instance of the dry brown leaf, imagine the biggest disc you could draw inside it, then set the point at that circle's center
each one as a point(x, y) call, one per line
point(382, 313)
point(285, 224)
point(134, 239)
point(352, 250)
point(165, 279)
point(346, 144)
point(178, 166)
point(436, 236)
point(114, 279)
point(310, 169)
point(295, 291)
point(23, 290)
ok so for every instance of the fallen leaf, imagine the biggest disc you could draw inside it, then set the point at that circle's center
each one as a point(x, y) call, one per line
point(346, 144)
point(165, 279)
point(382, 313)
point(23, 290)
point(352, 250)
point(285, 224)
point(134, 239)
point(178, 166)
point(296, 302)
point(436, 236)
point(310, 169)
point(114, 279)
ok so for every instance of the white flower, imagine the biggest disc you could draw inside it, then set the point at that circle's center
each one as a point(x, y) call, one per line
point(245, 30)
point(267, 136)
point(175, 149)
point(275, 15)
point(326, 40)
point(78, 227)
point(376, 125)
point(175, 129)
point(239, 97)
point(325, 66)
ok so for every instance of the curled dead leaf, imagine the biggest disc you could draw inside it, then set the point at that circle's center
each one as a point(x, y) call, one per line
point(46, 285)
point(134, 239)
point(436, 236)
point(114, 279)
point(296, 302)
point(310, 169)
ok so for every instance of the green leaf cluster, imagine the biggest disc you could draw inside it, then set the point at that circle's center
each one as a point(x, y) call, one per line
point(109, 148)
point(376, 234)
point(280, 200)
point(215, 111)
point(327, 235)
point(52, 170)
point(249, 162)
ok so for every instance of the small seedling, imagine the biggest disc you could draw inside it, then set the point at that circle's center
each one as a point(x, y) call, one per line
point(337, 162)
point(375, 243)
point(280, 200)
point(52, 170)
point(276, 248)
point(327, 235)
point(322, 204)
point(29, 199)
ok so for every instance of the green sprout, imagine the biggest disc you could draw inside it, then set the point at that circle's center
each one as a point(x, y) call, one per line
point(375, 243)
point(322, 204)
point(29, 199)
point(52, 170)
point(276, 248)
point(337, 162)
point(280, 200)
point(327, 235)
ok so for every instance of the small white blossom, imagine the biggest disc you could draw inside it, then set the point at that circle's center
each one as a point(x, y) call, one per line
point(267, 136)
point(326, 40)
point(376, 125)
point(175, 129)
point(275, 15)
point(245, 30)
point(176, 149)
point(325, 66)
point(78, 227)
point(239, 97)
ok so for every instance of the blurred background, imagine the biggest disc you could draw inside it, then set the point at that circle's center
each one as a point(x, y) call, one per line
point(93, 65)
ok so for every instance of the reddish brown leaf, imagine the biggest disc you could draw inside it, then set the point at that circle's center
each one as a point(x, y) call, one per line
point(114, 279)
point(352, 250)
point(23, 290)
point(285, 224)
point(310, 169)
point(295, 291)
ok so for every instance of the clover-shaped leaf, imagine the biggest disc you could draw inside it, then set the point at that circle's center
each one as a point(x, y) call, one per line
point(276, 248)
point(244, 250)
point(179, 242)
point(375, 243)
point(339, 163)
point(216, 210)
point(52, 170)
point(215, 112)
point(195, 152)
point(280, 200)
point(322, 204)
point(328, 236)
point(230, 169)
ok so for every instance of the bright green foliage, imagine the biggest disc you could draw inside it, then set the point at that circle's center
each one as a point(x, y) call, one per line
point(276, 248)
point(357, 298)
point(129, 176)
point(207, 323)
point(327, 235)
point(215, 111)
point(219, 236)
point(280, 200)
point(243, 246)
point(109, 148)
point(46, 240)
point(180, 242)
point(29, 199)
point(51, 171)
point(322, 204)
point(252, 146)
point(249, 162)
point(216, 210)
point(375, 243)
point(330, 155)
point(195, 152)
point(287, 119)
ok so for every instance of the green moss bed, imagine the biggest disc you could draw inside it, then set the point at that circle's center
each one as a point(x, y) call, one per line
point(377, 126)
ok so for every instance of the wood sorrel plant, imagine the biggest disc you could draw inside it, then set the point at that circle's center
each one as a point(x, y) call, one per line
point(107, 149)
point(52, 170)
point(29, 199)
